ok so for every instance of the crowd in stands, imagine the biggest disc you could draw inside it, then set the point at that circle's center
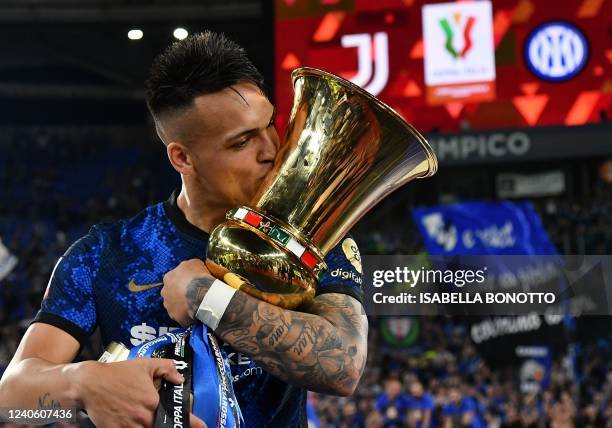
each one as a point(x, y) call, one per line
point(580, 228)
point(447, 385)
point(55, 188)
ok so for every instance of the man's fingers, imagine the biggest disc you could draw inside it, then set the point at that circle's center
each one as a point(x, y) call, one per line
point(195, 422)
point(163, 367)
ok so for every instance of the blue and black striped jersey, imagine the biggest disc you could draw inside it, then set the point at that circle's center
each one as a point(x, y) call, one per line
point(111, 279)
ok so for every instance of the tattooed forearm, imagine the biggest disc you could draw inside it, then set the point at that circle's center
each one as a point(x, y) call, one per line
point(324, 350)
point(196, 290)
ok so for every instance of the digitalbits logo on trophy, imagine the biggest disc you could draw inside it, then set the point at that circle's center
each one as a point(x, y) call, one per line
point(344, 151)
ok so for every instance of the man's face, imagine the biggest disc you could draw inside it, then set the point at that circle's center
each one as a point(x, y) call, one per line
point(393, 388)
point(416, 389)
point(231, 139)
point(455, 395)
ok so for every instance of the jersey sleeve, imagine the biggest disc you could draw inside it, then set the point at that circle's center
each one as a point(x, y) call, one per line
point(344, 272)
point(68, 303)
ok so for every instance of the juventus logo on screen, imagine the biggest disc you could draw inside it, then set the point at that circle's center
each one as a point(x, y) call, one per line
point(371, 78)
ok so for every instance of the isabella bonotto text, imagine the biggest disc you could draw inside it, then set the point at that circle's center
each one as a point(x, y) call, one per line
point(465, 298)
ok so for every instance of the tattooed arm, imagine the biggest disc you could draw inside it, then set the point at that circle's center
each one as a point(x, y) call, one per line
point(323, 350)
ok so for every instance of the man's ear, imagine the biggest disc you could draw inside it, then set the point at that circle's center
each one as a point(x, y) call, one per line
point(180, 158)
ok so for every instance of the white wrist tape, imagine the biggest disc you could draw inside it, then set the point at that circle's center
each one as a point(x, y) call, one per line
point(215, 303)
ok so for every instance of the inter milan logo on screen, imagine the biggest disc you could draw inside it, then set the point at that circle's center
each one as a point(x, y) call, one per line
point(556, 51)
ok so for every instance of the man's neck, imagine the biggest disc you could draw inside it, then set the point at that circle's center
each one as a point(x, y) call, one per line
point(198, 212)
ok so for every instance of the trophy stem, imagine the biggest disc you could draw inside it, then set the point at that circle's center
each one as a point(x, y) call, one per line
point(282, 266)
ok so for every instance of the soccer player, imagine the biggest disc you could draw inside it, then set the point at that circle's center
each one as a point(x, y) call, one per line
point(217, 125)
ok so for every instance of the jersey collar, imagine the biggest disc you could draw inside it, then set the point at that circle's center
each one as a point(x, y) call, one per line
point(178, 218)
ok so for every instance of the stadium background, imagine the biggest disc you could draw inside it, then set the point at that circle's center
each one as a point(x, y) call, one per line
point(77, 148)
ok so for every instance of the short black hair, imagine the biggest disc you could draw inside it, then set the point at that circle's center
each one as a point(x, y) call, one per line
point(201, 64)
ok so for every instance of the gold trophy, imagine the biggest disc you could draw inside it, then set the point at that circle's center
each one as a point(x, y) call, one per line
point(343, 152)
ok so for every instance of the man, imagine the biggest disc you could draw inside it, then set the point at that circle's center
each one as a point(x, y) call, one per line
point(460, 410)
point(420, 405)
point(217, 125)
point(392, 403)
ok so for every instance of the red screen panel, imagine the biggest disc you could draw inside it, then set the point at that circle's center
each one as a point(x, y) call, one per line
point(312, 33)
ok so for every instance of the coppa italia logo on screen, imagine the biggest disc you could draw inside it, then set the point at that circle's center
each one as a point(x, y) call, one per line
point(459, 52)
point(450, 35)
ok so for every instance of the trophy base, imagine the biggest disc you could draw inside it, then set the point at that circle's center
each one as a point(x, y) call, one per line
point(257, 262)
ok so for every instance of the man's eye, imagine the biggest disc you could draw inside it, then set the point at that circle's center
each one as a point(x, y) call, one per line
point(241, 144)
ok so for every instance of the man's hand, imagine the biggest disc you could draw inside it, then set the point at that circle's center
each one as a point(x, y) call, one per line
point(124, 393)
point(182, 295)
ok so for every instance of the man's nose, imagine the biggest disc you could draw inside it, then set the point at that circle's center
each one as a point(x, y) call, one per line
point(269, 148)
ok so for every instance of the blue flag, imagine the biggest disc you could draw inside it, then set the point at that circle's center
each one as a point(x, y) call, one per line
point(480, 228)
point(478, 233)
